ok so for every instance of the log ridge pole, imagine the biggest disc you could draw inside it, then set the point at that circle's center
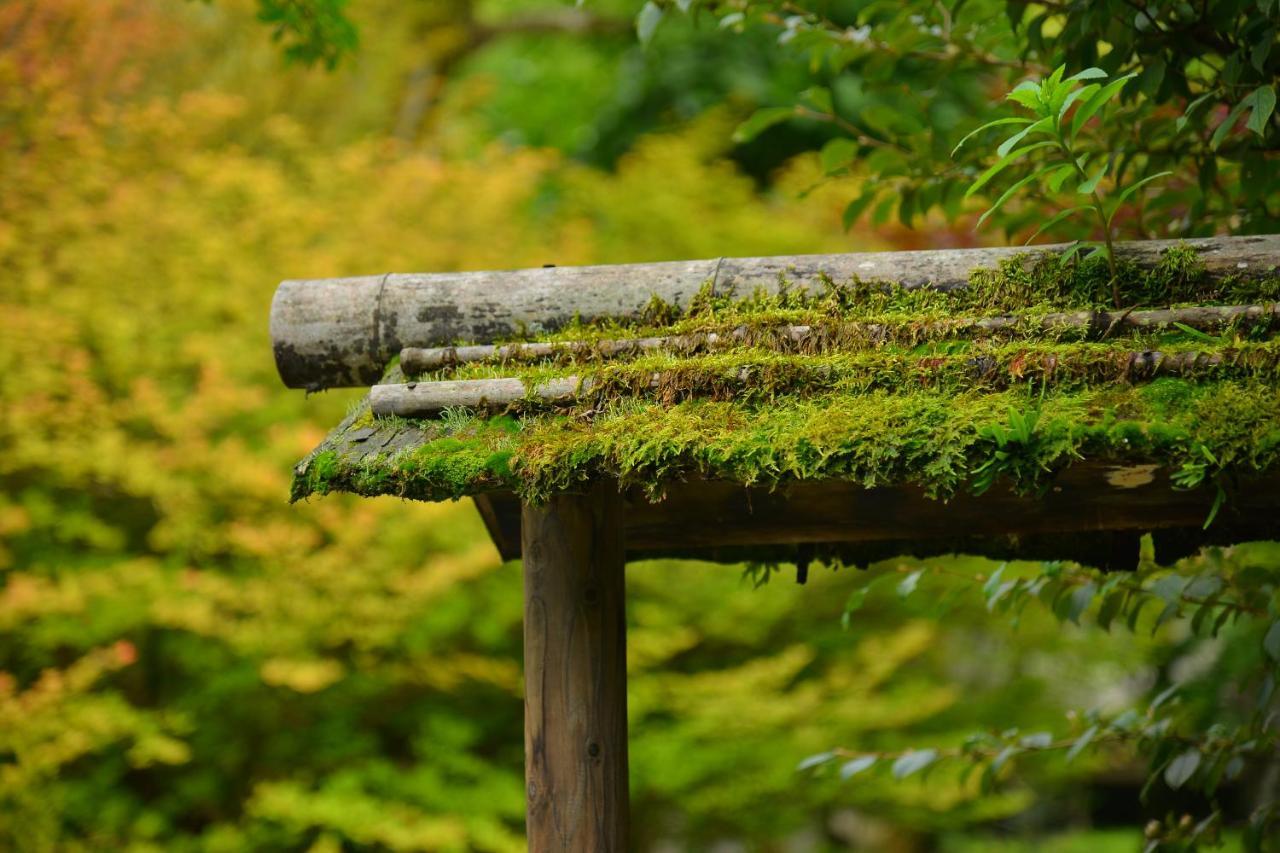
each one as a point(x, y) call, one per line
point(575, 717)
point(333, 333)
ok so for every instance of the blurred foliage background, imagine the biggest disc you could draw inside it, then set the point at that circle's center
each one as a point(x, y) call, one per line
point(189, 663)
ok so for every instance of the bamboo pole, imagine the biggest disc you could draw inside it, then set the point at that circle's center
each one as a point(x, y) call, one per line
point(426, 399)
point(1207, 318)
point(342, 332)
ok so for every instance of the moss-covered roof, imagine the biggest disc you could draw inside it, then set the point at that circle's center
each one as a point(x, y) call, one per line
point(890, 386)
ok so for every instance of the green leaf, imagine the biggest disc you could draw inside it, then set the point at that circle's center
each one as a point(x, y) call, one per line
point(760, 121)
point(997, 123)
point(1081, 743)
point(1218, 500)
point(993, 582)
point(820, 98)
point(1038, 740)
point(1169, 588)
point(909, 583)
point(814, 761)
point(1171, 610)
point(1092, 183)
point(1097, 102)
point(1076, 94)
point(1262, 49)
point(1081, 597)
point(1111, 605)
point(1087, 74)
point(1003, 163)
point(1054, 81)
point(1264, 103)
point(1163, 697)
point(1011, 190)
point(1182, 768)
point(837, 154)
point(1044, 124)
point(1220, 133)
point(853, 604)
point(880, 214)
point(856, 208)
point(1191, 108)
point(1133, 188)
point(1195, 333)
point(913, 762)
point(647, 21)
point(1271, 642)
point(852, 768)
point(1054, 220)
point(1026, 93)
point(997, 764)
point(1059, 177)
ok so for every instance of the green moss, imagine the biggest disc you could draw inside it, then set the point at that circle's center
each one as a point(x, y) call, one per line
point(886, 389)
point(322, 472)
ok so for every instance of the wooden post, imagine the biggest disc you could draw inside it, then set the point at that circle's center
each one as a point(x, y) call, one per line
point(575, 711)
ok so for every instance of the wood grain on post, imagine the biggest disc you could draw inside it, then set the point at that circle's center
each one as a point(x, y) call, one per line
point(575, 673)
point(342, 332)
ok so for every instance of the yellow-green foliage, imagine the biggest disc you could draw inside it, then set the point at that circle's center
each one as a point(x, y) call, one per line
point(187, 662)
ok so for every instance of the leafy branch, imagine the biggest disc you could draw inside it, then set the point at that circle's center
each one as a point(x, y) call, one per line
point(1060, 109)
point(1179, 752)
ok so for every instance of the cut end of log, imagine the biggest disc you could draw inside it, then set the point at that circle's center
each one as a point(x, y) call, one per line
point(325, 334)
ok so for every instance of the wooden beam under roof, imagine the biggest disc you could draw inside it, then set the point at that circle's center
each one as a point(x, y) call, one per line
point(1093, 512)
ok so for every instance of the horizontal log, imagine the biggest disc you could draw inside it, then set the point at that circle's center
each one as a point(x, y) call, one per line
point(421, 399)
point(1206, 318)
point(342, 332)
point(425, 399)
point(422, 359)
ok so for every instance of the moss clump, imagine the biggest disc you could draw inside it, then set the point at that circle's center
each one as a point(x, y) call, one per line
point(890, 387)
point(939, 441)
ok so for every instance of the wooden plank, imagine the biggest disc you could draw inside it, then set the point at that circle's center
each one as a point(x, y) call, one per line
point(575, 673)
point(728, 522)
point(342, 332)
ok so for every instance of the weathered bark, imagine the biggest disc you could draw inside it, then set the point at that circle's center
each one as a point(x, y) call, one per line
point(422, 359)
point(342, 332)
point(575, 673)
point(416, 399)
point(1208, 318)
point(424, 399)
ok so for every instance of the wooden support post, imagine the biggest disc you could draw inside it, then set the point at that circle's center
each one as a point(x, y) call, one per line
point(575, 712)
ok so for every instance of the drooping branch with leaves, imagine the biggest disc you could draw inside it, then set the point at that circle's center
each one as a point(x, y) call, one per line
point(1207, 732)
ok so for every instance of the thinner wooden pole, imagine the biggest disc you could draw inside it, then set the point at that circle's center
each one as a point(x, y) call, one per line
point(575, 719)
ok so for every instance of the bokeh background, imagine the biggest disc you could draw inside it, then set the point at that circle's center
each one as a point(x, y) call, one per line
point(187, 662)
